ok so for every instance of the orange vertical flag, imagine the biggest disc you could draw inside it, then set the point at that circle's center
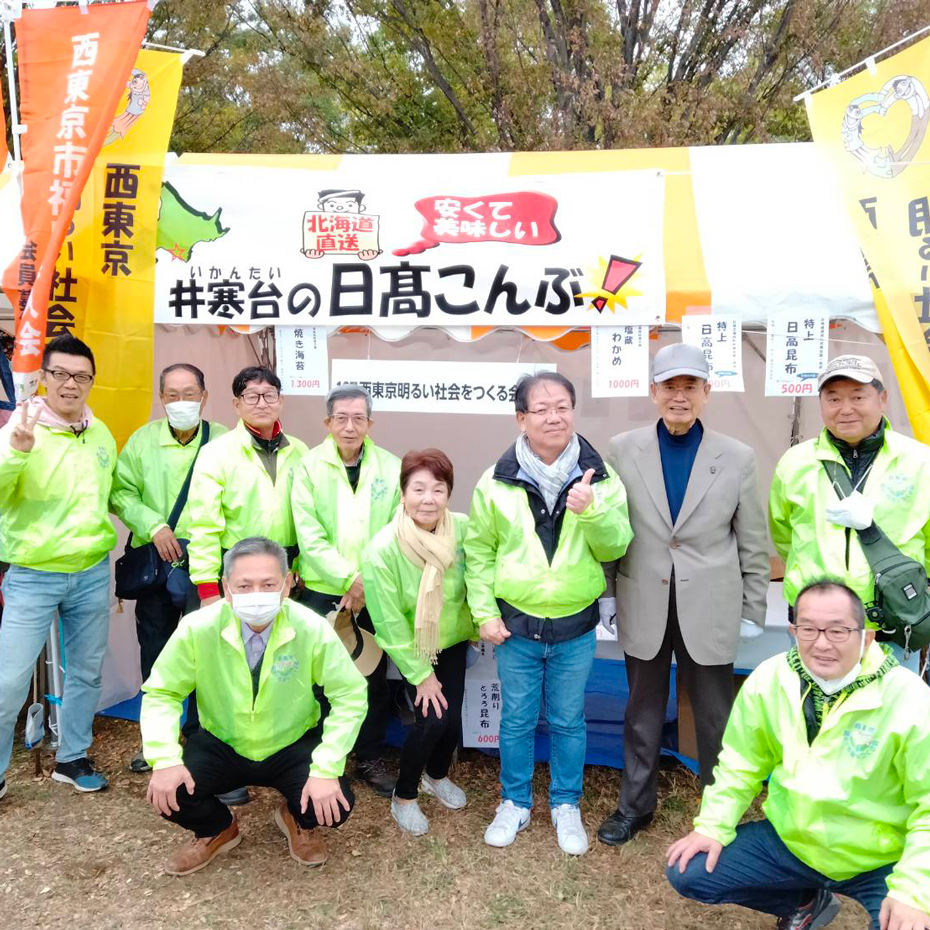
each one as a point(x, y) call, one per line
point(73, 68)
point(3, 148)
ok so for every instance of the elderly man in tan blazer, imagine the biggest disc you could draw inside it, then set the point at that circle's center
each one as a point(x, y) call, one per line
point(693, 580)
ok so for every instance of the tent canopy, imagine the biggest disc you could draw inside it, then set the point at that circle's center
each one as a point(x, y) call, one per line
point(748, 229)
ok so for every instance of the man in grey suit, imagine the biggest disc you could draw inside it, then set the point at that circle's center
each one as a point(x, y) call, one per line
point(693, 580)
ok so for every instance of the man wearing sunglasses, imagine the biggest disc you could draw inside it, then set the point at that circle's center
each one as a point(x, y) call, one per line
point(842, 733)
point(56, 469)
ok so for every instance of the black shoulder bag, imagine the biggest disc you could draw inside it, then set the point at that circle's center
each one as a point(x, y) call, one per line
point(142, 570)
point(902, 594)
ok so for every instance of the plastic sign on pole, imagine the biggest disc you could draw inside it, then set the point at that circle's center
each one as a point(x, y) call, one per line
point(796, 352)
point(302, 359)
point(619, 361)
point(720, 337)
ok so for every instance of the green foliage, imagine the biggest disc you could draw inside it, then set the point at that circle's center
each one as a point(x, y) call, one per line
point(289, 76)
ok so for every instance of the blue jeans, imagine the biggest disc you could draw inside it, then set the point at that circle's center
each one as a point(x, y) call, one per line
point(758, 871)
point(31, 600)
point(525, 668)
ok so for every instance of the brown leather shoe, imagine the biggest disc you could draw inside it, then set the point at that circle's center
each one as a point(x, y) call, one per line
point(201, 851)
point(305, 846)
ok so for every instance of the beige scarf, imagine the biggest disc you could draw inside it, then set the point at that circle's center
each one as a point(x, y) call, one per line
point(434, 553)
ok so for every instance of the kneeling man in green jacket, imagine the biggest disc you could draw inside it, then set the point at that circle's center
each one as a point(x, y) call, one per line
point(253, 659)
point(842, 732)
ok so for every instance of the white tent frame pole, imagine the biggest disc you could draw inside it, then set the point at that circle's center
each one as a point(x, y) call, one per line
point(55, 681)
point(16, 127)
point(186, 53)
point(868, 62)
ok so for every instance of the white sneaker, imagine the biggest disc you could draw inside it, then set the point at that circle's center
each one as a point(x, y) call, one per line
point(409, 817)
point(507, 823)
point(447, 793)
point(566, 818)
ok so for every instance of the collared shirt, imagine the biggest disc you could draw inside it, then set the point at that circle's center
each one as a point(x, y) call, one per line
point(268, 449)
point(255, 643)
point(354, 471)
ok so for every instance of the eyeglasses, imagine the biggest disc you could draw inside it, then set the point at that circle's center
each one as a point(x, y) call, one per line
point(173, 397)
point(340, 419)
point(253, 397)
point(562, 411)
point(834, 634)
point(60, 375)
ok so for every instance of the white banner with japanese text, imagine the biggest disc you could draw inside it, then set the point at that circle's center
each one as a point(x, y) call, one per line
point(436, 387)
point(620, 361)
point(481, 709)
point(409, 240)
point(795, 351)
point(720, 337)
point(301, 359)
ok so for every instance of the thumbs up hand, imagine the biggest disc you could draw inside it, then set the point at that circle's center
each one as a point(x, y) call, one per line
point(581, 494)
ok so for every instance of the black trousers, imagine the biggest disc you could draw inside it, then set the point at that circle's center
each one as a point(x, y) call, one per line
point(156, 619)
point(217, 768)
point(369, 745)
point(710, 688)
point(431, 741)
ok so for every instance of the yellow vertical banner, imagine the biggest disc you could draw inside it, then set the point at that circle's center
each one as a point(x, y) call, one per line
point(873, 129)
point(104, 287)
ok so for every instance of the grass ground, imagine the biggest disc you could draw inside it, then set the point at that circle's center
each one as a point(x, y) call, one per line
point(72, 861)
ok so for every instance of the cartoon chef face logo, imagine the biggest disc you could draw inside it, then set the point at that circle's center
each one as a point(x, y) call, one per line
point(337, 226)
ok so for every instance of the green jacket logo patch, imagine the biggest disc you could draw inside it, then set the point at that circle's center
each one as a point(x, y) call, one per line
point(284, 667)
point(860, 741)
point(103, 457)
point(379, 489)
point(898, 487)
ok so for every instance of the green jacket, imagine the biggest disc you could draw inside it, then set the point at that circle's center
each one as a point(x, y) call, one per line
point(232, 497)
point(856, 798)
point(812, 546)
point(150, 470)
point(505, 556)
point(54, 513)
point(335, 523)
point(392, 582)
point(206, 654)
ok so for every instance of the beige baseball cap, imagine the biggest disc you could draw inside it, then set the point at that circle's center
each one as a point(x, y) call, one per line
point(856, 367)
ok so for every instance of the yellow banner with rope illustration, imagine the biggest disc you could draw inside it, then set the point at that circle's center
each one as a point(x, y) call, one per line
point(873, 129)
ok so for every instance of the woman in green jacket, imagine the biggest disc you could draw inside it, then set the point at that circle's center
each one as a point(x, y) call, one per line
point(414, 576)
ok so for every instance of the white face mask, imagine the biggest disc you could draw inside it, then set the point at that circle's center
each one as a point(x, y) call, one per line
point(832, 685)
point(855, 512)
point(183, 414)
point(259, 608)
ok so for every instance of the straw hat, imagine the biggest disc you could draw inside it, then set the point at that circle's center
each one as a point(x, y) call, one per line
point(359, 643)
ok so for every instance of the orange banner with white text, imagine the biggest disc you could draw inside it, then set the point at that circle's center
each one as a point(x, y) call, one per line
point(73, 68)
point(3, 148)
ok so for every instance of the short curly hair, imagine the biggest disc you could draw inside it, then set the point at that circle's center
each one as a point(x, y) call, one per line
point(435, 461)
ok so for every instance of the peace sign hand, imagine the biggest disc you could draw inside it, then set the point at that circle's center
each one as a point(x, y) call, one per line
point(23, 436)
